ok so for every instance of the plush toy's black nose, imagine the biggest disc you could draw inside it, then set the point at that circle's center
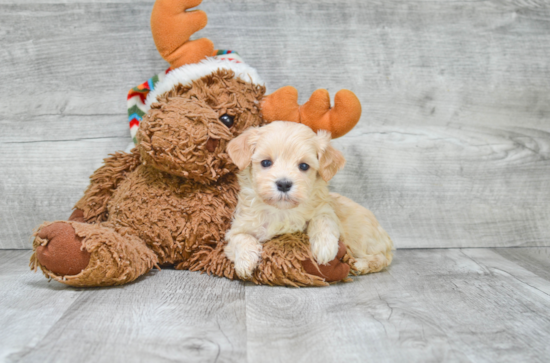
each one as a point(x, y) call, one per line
point(283, 185)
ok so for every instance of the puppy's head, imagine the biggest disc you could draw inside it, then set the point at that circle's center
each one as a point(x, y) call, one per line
point(286, 160)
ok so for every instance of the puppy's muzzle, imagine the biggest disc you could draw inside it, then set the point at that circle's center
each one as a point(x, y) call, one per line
point(283, 185)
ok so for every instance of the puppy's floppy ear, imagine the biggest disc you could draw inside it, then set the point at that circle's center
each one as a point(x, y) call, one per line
point(241, 148)
point(330, 159)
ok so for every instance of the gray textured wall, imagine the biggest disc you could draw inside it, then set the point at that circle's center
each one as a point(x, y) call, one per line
point(453, 148)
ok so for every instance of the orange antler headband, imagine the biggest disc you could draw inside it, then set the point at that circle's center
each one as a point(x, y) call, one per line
point(315, 113)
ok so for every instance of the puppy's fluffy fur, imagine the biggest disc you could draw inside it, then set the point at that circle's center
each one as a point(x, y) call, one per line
point(265, 210)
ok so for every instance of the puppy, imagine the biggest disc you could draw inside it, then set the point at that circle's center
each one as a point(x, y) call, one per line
point(285, 168)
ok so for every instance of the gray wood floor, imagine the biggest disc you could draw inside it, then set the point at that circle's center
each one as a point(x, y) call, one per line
point(432, 305)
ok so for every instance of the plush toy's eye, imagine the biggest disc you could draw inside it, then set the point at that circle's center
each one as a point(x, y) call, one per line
point(227, 120)
point(303, 166)
point(267, 163)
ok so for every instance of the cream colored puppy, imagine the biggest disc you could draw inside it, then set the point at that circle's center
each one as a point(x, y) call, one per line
point(285, 167)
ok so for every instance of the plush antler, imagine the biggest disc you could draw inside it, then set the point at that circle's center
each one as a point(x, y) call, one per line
point(172, 25)
point(282, 105)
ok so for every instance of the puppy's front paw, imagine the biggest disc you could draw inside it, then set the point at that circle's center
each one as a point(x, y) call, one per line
point(324, 248)
point(245, 252)
point(246, 261)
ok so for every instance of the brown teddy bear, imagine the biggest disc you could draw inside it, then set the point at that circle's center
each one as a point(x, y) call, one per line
point(169, 201)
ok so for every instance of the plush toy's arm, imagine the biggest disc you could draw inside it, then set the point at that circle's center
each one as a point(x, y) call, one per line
point(282, 105)
point(92, 207)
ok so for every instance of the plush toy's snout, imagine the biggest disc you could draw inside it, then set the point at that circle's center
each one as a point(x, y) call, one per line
point(212, 144)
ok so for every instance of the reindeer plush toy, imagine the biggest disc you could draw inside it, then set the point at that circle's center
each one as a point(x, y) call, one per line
point(169, 201)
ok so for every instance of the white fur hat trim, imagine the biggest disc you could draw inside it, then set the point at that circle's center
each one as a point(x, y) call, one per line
point(188, 73)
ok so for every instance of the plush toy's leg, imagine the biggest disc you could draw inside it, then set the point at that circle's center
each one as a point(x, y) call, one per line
point(367, 242)
point(286, 261)
point(80, 254)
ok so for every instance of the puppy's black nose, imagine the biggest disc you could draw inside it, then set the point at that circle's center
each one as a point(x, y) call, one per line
point(283, 185)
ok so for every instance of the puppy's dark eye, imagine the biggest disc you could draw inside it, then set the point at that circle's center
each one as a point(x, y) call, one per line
point(303, 166)
point(227, 120)
point(266, 163)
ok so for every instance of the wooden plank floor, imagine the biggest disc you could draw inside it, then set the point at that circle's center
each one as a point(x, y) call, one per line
point(432, 305)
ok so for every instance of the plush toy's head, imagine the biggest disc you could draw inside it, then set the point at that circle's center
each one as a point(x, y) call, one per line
point(206, 99)
point(188, 127)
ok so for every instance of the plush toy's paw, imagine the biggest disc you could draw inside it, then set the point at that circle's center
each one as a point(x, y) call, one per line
point(82, 254)
point(324, 247)
point(61, 250)
point(335, 270)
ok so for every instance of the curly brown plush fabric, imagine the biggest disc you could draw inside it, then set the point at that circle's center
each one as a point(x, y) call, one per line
point(171, 199)
point(103, 183)
point(282, 262)
point(173, 215)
